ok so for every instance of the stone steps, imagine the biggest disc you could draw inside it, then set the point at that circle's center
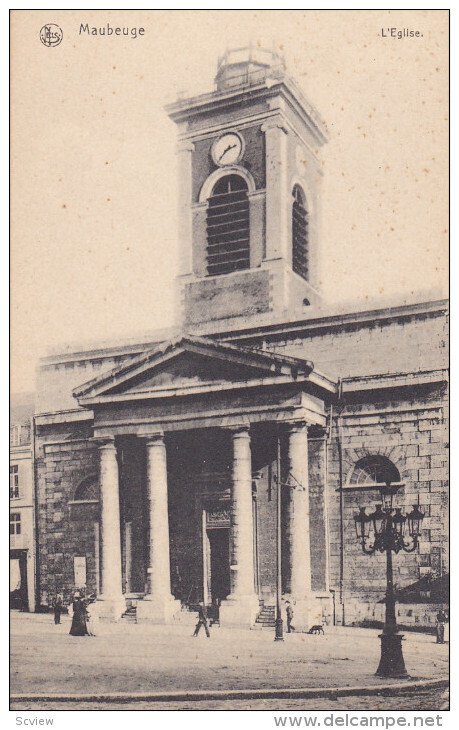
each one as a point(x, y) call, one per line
point(130, 615)
point(267, 617)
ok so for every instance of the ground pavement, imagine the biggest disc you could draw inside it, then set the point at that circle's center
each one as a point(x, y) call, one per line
point(134, 658)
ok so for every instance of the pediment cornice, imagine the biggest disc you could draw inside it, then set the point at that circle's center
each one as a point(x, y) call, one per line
point(143, 375)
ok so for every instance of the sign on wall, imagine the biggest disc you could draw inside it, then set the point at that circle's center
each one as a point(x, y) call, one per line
point(79, 569)
point(218, 517)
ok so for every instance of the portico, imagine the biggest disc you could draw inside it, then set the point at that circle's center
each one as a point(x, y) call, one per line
point(227, 415)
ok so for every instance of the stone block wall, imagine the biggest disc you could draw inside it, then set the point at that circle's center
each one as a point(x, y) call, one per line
point(410, 430)
point(242, 293)
point(64, 458)
point(340, 349)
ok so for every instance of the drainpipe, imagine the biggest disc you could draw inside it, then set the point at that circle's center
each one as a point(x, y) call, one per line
point(326, 498)
point(341, 508)
point(36, 566)
point(333, 592)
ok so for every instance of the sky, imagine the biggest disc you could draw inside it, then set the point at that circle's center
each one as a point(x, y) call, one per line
point(93, 165)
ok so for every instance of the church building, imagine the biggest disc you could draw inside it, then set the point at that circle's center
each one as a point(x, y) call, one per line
point(156, 463)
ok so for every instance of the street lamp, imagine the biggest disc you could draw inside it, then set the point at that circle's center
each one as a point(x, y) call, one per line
point(384, 530)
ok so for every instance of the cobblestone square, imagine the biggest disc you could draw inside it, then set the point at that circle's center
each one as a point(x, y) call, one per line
point(128, 658)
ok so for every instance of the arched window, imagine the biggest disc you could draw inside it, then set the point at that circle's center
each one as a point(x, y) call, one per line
point(87, 491)
point(374, 469)
point(228, 230)
point(299, 233)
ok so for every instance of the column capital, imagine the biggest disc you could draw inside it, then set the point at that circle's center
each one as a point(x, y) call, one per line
point(106, 442)
point(153, 439)
point(297, 426)
point(240, 431)
point(273, 124)
point(184, 145)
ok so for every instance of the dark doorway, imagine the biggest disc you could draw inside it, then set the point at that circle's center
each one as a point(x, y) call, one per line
point(220, 583)
point(18, 580)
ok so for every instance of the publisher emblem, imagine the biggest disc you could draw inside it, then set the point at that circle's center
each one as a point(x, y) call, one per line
point(51, 35)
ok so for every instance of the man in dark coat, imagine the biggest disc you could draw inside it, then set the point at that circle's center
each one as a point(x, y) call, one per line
point(79, 627)
point(57, 608)
point(289, 612)
point(202, 620)
point(441, 620)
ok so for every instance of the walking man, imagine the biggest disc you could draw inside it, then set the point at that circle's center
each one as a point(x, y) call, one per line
point(289, 612)
point(57, 608)
point(202, 620)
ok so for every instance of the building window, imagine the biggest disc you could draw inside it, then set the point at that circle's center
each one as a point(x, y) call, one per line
point(374, 469)
point(14, 481)
point(228, 228)
point(15, 435)
point(87, 491)
point(15, 523)
point(299, 233)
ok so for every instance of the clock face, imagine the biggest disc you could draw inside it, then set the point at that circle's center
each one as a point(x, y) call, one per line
point(228, 149)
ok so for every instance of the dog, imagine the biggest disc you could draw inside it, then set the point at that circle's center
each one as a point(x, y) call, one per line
point(316, 629)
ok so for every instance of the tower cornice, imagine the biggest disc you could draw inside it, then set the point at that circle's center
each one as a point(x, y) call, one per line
point(222, 101)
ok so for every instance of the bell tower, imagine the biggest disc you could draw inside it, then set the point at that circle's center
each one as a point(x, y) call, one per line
point(249, 202)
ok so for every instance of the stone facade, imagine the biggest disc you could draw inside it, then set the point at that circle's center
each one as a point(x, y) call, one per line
point(157, 461)
point(402, 418)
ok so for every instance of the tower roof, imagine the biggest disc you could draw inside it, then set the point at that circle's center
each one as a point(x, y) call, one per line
point(248, 66)
point(249, 75)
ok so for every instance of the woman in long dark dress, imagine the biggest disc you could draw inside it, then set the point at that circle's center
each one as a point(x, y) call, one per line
point(79, 627)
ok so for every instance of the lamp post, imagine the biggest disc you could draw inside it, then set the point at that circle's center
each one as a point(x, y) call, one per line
point(384, 530)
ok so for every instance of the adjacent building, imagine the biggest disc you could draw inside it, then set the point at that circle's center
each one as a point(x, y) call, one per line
point(22, 507)
point(156, 462)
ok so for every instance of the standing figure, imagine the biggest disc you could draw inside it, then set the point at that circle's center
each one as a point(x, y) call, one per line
point(57, 608)
point(79, 627)
point(441, 620)
point(202, 620)
point(289, 613)
point(89, 617)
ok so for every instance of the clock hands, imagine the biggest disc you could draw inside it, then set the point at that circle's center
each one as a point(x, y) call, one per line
point(230, 147)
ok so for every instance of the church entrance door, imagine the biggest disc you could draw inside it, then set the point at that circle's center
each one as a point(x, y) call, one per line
point(219, 564)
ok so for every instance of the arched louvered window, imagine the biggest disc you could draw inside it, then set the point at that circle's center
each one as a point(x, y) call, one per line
point(228, 230)
point(375, 469)
point(87, 491)
point(299, 233)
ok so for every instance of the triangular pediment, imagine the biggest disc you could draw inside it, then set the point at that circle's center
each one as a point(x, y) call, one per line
point(189, 369)
point(191, 364)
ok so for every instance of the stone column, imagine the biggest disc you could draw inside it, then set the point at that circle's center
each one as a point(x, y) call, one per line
point(242, 605)
point(111, 603)
point(158, 605)
point(298, 528)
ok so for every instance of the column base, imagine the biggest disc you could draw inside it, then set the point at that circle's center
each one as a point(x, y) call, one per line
point(153, 610)
point(108, 609)
point(307, 612)
point(239, 611)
